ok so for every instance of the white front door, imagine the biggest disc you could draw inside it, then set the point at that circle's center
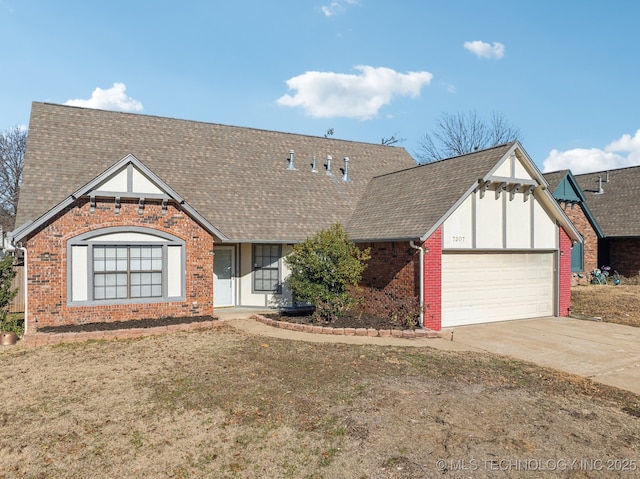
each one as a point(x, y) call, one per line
point(223, 276)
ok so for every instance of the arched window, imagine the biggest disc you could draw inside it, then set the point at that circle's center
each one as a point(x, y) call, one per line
point(125, 265)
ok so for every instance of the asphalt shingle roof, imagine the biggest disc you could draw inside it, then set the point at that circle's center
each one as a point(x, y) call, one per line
point(236, 178)
point(407, 204)
point(554, 178)
point(617, 209)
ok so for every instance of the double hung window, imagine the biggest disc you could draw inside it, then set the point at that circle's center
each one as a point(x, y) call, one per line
point(266, 268)
point(122, 272)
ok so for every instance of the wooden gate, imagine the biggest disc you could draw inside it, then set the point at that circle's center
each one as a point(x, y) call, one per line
point(17, 304)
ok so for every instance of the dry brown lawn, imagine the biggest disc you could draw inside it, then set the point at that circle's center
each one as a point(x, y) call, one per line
point(615, 304)
point(222, 404)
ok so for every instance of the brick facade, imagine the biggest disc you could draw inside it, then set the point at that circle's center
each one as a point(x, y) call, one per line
point(47, 264)
point(390, 285)
point(565, 275)
point(576, 214)
point(392, 276)
point(433, 281)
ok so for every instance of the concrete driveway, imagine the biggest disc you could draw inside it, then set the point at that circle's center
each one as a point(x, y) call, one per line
point(605, 352)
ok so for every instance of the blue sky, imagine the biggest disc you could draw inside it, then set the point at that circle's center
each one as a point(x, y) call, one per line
point(564, 72)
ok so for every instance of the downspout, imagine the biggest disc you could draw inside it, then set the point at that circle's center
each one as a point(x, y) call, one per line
point(26, 283)
point(421, 249)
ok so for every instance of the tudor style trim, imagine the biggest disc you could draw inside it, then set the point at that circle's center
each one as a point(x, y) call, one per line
point(128, 161)
point(540, 190)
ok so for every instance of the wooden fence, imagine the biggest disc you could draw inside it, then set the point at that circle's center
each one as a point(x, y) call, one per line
point(17, 305)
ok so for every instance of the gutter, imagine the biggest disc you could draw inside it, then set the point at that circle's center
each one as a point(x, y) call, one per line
point(422, 252)
point(26, 291)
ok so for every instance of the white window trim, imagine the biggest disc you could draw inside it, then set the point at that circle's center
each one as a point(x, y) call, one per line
point(91, 239)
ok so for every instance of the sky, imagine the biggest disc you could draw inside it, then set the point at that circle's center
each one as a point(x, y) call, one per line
point(565, 72)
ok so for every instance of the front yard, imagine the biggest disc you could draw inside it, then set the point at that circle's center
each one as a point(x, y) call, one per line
point(222, 404)
point(616, 304)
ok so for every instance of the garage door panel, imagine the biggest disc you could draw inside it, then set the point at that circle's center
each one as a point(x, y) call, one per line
point(486, 287)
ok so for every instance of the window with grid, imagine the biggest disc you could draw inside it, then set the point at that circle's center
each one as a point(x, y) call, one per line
point(122, 272)
point(266, 267)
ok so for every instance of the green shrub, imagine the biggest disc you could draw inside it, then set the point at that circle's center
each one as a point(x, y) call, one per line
point(322, 269)
point(7, 273)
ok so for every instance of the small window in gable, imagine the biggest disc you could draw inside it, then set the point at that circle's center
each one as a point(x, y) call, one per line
point(133, 266)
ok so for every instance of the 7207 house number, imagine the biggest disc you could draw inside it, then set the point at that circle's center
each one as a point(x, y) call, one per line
point(458, 239)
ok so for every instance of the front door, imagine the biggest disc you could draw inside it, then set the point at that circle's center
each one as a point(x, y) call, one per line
point(223, 276)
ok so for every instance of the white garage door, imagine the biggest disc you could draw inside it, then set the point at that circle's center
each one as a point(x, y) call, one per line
point(485, 287)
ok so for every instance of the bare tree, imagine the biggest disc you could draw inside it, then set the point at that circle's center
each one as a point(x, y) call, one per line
point(392, 140)
point(461, 133)
point(13, 143)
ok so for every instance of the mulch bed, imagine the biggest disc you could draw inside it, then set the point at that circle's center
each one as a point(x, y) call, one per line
point(349, 320)
point(136, 323)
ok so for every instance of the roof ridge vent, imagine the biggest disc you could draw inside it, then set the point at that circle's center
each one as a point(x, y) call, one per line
point(345, 171)
point(328, 164)
point(291, 165)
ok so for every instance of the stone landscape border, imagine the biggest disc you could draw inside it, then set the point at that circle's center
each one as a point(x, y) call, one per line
point(383, 333)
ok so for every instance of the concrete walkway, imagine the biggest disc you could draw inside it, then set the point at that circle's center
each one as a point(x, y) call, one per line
point(607, 353)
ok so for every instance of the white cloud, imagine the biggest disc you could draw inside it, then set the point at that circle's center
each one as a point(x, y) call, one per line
point(620, 153)
point(113, 98)
point(484, 50)
point(328, 94)
point(337, 7)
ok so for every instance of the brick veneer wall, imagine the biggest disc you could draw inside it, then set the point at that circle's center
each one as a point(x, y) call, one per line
point(433, 281)
point(624, 256)
point(565, 275)
point(390, 282)
point(391, 285)
point(590, 247)
point(47, 264)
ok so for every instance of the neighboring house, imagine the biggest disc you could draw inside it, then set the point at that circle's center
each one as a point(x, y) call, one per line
point(126, 216)
point(566, 190)
point(614, 198)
